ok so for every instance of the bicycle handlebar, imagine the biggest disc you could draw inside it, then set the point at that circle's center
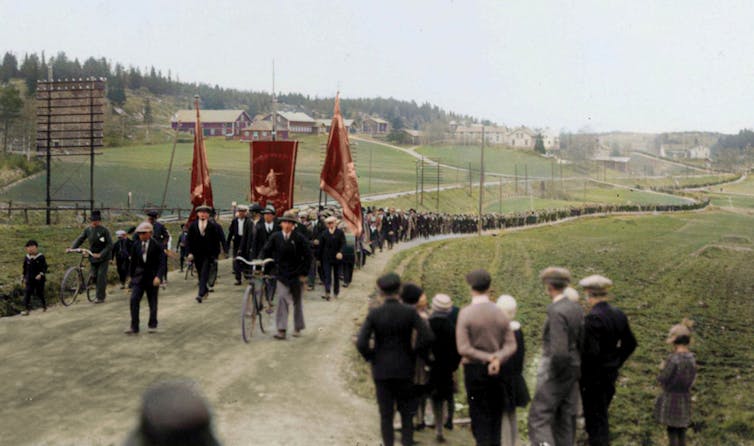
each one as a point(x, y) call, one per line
point(83, 251)
point(257, 262)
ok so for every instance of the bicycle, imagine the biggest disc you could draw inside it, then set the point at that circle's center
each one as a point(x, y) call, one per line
point(73, 282)
point(253, 303)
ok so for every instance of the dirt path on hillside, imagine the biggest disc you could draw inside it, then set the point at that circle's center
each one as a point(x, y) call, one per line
point(70, 376)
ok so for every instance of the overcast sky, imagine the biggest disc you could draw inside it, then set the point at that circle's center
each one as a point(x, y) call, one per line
point(609, 65)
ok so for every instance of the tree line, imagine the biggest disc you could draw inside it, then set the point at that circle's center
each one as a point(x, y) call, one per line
point(33, 67)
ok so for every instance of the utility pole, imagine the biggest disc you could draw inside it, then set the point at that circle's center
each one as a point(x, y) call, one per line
point(481, 184)
point(515, 176)
point(369, 184)
point(526, 178)
point(438, 184)
point(421, 200)
point(552, 178)
point(501, 194)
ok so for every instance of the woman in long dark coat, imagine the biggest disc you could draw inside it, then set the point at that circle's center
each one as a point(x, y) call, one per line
point(445, 361)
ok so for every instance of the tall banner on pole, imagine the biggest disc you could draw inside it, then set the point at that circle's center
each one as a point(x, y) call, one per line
point(338, 177)
point(201, 186)
point(273, 166)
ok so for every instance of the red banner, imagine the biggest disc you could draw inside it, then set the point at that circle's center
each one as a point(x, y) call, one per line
point(338, 176)
point(273, 164)
point(201, 186)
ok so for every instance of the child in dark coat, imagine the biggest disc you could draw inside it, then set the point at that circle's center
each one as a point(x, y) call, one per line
point(35, 268)
point(445, 361)
point(514, 384)
point(673, 406)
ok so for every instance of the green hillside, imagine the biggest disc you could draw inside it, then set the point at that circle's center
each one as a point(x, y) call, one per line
point(700, 267)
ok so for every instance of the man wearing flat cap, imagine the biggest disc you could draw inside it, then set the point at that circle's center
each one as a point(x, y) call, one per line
point(292, 259)
point(385, 340)
point(161, 234)
point(146, 269)
point(101, 246)
point(204, 244)
point(331, 244)
point(239, 226)
point(554, 407)
point(608, 342)
point(266, 226)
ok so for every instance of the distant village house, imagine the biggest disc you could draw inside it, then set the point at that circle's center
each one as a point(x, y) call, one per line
point(214, 122)
point(374, 126)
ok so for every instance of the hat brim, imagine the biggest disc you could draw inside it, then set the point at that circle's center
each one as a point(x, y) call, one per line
point(288, 219)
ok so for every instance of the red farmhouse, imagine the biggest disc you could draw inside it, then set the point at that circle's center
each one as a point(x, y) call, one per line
point(214, 122)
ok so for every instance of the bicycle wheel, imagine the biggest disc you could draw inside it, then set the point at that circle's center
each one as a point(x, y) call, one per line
point(259, 305)
point(249, 313)
point(90, 294)
point(71, 286)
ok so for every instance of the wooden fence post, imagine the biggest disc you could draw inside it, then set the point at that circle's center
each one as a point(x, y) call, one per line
point(26, 216)
point(10, 209)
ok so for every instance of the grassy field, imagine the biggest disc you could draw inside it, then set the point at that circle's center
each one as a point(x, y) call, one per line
point(496, 159)
point(665, 268)
point(673, 181)
point(142, 171)
point(744, 187)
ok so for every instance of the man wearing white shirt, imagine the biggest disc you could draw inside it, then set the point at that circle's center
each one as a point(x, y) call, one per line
point(240, 225)
point(146, 269)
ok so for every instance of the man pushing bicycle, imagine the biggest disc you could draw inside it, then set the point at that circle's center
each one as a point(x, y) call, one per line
point(101, 245)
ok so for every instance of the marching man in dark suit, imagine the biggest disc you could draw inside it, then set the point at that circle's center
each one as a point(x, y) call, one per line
point(240, 225)
point(147, 267)
point(122, 253)
point(161, 234)
point(608, 342)
point(393, 356)
point(204, 242)
point(266, 226)
point(331, 244)
point(292, 256)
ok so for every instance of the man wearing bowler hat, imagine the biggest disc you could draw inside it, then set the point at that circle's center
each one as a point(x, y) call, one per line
point(292, 256)
point(146, 269)
point(101, 245)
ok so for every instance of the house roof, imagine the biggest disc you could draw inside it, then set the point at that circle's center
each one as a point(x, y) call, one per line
point(207, 115)
point(414, 133)
point(260, 126)
point(327, 122)
point(296, 117)
point(377, 120)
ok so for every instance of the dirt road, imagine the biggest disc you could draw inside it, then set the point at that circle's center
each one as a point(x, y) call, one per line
point(70, 376)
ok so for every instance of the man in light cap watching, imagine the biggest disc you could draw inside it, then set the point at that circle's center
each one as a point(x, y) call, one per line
point(173, 414)
point(553, 410)
point(146, 268)
point(608, 342)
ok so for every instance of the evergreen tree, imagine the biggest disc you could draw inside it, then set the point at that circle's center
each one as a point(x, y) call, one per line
point(10, 109)
point(148, 118)
point(9, 67)
point(539, 144)
point(116, 91)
